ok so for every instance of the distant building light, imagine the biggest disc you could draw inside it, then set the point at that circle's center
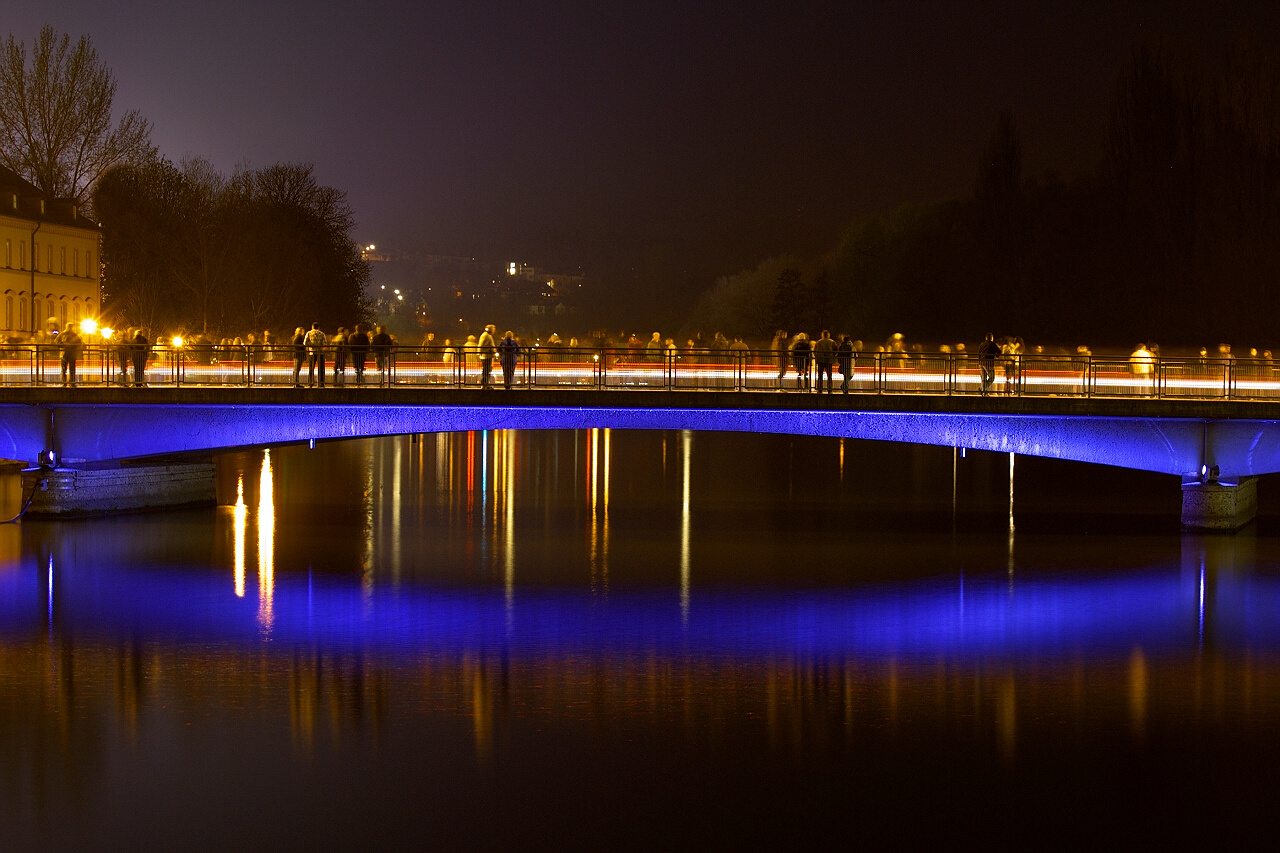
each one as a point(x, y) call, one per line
point(511, 268)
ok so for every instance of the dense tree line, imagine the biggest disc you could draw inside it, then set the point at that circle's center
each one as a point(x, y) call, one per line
point(186, 248)
point(1173, 236)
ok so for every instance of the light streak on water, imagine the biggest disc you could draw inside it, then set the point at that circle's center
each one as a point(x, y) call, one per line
point(266, 544)
point(686, 454)
point(240, 516)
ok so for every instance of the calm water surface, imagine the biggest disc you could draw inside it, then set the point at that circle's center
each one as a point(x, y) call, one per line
point(623, 639)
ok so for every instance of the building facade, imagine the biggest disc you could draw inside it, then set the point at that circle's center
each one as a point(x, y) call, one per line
point(50, 261)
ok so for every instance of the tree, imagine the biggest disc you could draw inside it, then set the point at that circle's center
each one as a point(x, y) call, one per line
point(189, 250)
point(55, 117)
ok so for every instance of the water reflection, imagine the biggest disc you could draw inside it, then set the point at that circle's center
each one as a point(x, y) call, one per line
point(266, 544)
point(462, 631)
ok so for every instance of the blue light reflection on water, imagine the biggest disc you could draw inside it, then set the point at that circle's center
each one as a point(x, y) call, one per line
point(1159, 610)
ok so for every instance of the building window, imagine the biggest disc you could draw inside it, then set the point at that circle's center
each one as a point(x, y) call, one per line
point(75, 262)
point(62, 316)
point(22, 314)
point(88, 263)
point(8, 253)
point(35, 309)
point(22, 254)
point(75, 313)
point(63, 259)
point(35, 255)
point(48, 265)
point(8, 312)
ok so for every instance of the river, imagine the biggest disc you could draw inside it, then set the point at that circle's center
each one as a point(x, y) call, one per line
point(606, 639)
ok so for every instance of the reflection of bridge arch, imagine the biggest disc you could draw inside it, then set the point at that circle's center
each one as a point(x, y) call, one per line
point(1163, 608)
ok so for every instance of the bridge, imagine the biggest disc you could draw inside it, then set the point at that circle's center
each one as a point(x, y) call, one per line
point(71, 436)
point(1213, 423)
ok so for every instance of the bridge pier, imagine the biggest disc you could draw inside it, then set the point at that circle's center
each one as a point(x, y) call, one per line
point(64, 492)
point(1213, 506)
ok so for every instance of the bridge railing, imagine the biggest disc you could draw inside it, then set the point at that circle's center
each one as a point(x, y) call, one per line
point(621, 368)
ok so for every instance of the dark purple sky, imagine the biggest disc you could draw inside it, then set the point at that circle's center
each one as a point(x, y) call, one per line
point(703, 135)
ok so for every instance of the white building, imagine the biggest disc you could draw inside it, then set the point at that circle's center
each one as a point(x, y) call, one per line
point(50, 260)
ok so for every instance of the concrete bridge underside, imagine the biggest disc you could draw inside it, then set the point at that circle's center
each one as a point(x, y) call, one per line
point(1201, 450)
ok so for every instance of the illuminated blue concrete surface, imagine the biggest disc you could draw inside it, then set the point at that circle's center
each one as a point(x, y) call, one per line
point(1184, 446)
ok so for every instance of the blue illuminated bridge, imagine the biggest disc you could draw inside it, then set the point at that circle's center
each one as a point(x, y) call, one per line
point(1214, 446)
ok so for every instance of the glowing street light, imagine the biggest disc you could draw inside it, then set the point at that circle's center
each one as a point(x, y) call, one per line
point(88, 326)
point(177, 341)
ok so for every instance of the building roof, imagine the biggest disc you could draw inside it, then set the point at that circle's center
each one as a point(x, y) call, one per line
point(57, 210)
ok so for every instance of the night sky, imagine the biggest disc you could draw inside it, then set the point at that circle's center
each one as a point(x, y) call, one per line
point(696, 137)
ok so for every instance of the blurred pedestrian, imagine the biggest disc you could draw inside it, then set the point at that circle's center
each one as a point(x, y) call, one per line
point(299, 344)
point(844, 353)
point(987, 353)
point(71, 346)
point(339, 344)
point(801, 351)
point(1142, 366)
point(359, 343)
point(824, 359)
point(779, 349)
point(316, 342)
point(140, 349)
point(383, 355)
point(653, 349)
point(508, 352)
point(488, 349)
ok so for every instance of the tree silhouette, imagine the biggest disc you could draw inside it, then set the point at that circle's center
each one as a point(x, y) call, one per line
point(55, 117)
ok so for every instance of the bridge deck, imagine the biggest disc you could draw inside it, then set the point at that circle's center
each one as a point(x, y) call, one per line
point(587, 398)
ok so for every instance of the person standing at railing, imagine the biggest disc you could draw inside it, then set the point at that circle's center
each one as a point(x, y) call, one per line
point(339, 344)
point(121, 353)
point(824, 359)
point(299, 344)
point(487, 348)
point(1012, 350)
point(844, 354)
point(779, 349)
point(140, 349)
point(71, 346)
point(508, 352)
point(359, 343)
point(653, 349)
point(1142, 365)
point(382, 355)
point(987, 353)
point(315, 341)
point(740, 353)
point(801, 351)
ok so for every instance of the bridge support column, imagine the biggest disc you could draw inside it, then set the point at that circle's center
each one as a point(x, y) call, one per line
point(75, 492)
point(1215, 506)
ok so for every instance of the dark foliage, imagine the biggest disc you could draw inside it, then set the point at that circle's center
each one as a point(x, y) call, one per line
point(186, 249)
point(1174, 237)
